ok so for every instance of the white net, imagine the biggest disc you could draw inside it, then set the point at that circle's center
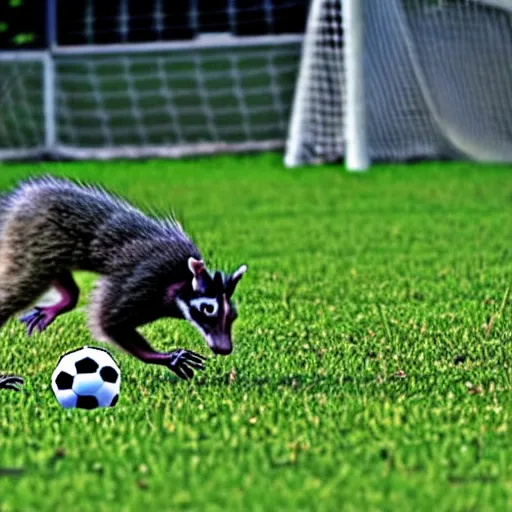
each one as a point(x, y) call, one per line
point(437, 82)
point(84, 22)
point(174, 103)
point(137, 79)
point(22, 129)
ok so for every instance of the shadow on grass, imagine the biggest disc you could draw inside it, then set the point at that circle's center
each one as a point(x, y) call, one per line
point(295, 381)
point(11, 472)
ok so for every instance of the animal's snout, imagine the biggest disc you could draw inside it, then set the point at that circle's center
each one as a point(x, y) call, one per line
point(220, 344)
point(222, 350)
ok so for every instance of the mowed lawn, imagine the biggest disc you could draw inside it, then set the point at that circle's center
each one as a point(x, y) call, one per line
point(373, 359)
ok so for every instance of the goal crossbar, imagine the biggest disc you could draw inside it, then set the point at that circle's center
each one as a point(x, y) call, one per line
point(203, 42)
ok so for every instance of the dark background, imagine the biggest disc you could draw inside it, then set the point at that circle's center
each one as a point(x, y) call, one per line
point(22, 22)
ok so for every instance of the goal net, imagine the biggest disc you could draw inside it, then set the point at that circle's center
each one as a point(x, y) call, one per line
point(22, 123)
point(436, 82)
point(169, 102)
point(143, 79)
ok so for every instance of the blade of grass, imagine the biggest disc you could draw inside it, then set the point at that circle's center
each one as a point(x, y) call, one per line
point(495, 317)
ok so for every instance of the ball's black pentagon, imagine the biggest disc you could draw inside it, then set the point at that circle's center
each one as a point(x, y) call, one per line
point(109, 374)
point(64, 381)
point(87, 402)
point(86, 365)
point(114, 401)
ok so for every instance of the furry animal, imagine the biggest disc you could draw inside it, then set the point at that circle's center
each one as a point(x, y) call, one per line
point(149, 269)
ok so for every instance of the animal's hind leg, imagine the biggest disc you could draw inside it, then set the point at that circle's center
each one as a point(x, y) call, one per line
point(18, 289)
point(12, 382)
point(12, 301)
point(9, 381)
point(42, 316)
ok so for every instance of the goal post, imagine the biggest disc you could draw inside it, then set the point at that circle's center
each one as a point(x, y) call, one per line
point(403, 80)
point(352, 77)
point(49, 96)
point(297, 118)
point(356, 152)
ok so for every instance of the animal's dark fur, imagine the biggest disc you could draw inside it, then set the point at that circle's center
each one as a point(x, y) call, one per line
point(50, 227)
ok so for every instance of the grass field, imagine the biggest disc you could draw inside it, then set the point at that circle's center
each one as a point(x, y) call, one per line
point(372, 368)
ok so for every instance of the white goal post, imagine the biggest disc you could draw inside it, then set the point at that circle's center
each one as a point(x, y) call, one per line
point(401, 80)
point(356, 153)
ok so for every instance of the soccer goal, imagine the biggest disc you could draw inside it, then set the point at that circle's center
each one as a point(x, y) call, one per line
point(403, 79)
point(169, 79)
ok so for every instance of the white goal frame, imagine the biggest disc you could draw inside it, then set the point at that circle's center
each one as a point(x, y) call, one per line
point(356, 152)
point(356, 145)
point(426, 111)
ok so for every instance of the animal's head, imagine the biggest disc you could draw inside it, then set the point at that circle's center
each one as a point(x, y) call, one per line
point(208, 305)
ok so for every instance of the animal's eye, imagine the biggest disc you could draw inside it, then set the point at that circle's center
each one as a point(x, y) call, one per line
point(207, 307)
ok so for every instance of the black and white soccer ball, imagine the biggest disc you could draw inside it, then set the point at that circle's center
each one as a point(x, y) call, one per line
point(86, 378)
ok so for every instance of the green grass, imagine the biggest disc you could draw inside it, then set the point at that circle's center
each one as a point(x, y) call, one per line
point(366, 375)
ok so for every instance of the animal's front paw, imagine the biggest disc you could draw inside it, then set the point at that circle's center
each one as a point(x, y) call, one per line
point(184, 362)
point(40, 318)
point(11, 382)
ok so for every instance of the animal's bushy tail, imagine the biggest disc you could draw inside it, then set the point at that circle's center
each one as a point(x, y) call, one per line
point(4, 199)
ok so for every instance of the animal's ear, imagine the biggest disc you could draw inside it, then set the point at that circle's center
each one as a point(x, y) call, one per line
point(195, 266)
point(173, 290)
point(201, 276)
point(234, 279)
point(218, 281)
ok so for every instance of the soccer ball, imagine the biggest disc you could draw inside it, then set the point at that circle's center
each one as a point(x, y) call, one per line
point(86, 378)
